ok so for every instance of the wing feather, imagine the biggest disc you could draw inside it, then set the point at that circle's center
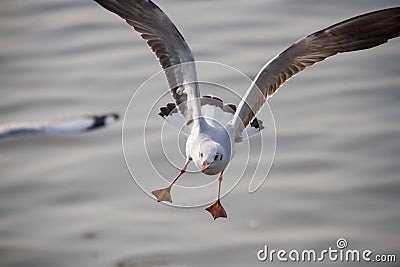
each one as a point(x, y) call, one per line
point(169, 46)
point(358, 33)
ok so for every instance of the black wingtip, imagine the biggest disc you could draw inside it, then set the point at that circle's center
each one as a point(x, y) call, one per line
point(167, 110)
point(258, 124)
point(103, 120)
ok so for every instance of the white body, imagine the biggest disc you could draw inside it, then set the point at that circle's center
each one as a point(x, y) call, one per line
point(211, 140)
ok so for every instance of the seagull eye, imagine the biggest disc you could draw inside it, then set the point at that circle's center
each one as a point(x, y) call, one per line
point(216, 157)
point(220, 158)
point(201, 155)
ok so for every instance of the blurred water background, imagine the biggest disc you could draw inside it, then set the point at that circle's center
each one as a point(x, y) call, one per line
point(70, 200)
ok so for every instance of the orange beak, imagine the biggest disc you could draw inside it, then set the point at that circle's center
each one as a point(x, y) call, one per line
point(205, 165)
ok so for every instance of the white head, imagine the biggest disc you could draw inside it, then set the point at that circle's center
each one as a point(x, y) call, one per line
point(110, 118)
point(211, 157)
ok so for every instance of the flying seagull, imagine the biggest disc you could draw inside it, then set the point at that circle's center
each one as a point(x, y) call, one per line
point(65, 126)
point(211, 145)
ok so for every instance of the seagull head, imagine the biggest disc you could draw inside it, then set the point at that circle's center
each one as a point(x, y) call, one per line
point(111, 118)
point(210, 157)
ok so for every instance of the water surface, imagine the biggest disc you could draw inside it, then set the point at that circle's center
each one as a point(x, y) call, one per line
point(70, 200)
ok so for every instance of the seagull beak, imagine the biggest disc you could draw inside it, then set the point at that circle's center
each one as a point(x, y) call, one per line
point(205, 165)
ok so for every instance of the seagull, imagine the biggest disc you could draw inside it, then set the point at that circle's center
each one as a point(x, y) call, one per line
point(66, 126)
point(210, 144)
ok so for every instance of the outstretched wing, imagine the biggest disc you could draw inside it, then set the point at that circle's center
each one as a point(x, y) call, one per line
point(168, 45)
point(67, 126)
point(361, 32)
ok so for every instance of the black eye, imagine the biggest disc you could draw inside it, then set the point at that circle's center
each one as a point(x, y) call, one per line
point(220, 158)
point(201, 155)
point(216, 156)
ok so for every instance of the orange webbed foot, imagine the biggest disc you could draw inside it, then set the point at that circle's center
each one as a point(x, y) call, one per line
point(217, 210)
point(163, 194)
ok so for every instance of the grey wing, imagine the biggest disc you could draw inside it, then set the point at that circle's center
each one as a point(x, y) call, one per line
point(66, 126)
point(166, 42)
point(361, 32)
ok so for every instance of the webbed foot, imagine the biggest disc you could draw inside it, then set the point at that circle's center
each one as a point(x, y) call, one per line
point(217, 210)
point(163, 194)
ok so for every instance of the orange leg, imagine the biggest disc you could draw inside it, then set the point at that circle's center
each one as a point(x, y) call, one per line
point(165, 193)
point(216, 208)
